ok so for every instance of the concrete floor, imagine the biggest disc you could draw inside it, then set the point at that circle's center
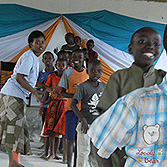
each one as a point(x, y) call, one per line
point(32, 160)
point(34, 124)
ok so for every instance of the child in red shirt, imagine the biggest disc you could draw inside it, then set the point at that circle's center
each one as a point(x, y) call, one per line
point(54, 125)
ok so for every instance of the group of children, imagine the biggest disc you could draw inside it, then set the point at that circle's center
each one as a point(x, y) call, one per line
point(60, 120)
point(76, 101)
point(73, 43)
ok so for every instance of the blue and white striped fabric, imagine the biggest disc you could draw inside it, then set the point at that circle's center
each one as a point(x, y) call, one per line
point(137, 121)
point(111, 32)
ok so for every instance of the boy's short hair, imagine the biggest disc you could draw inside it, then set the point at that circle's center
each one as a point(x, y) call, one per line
point(48, 52)
point(94, 62)
point(78, 50)
point(90, 41)
point(35, 34)
point(61, 60)
point(140, 30)
point(61, 52)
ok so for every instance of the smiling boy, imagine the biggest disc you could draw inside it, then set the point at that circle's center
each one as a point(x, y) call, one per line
point(145, 46)
point(70, 80)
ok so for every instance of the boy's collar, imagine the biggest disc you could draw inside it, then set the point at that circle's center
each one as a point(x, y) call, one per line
point(93, 84)
point(137, 68)
point(71, 45)
point(45, 70)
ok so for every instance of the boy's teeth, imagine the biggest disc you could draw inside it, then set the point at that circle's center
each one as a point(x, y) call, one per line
point(151, 55)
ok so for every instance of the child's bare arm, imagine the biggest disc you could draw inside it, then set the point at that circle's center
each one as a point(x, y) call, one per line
point(84, 124)
point(41, 85)
point(24, 83)
point(65, 94)
point(46, 98)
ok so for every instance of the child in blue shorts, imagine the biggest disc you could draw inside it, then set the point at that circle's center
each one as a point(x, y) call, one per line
point(70, 81)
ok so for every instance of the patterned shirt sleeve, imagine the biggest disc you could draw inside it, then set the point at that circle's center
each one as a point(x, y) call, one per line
point(109, 130)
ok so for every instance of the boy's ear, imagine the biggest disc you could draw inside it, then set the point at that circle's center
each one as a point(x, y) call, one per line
point(30, 45)
point(130, 48)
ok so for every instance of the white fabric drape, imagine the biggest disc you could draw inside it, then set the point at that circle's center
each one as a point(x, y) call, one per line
point(13, 44)
point(113, 57)
point(57, 40)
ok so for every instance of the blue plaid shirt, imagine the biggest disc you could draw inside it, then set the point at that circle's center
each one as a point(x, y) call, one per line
point(137, 121)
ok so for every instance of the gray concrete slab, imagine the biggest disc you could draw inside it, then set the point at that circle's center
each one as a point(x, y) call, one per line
point(34, 126)
point(33, 160)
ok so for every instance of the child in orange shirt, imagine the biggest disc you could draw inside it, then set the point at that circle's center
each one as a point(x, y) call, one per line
point(70, 80)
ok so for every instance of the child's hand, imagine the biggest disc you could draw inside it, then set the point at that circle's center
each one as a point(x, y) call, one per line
point(55, 91)
point(84, 125)
point(49, 89)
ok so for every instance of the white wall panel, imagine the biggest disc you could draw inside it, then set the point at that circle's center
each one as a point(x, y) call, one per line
point(152, 11)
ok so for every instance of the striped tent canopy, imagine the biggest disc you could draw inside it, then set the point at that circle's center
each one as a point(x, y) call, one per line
point(111, 33)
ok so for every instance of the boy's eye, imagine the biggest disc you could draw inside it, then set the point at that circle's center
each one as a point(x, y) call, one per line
point(142, 42)
point(156, 44)
point(37, 42)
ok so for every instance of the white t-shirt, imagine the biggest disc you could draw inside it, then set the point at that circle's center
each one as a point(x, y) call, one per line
point(28, 64)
